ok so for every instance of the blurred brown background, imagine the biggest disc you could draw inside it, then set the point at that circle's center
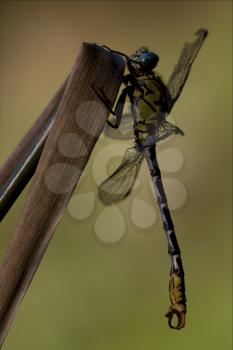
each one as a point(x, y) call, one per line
point(87, 295)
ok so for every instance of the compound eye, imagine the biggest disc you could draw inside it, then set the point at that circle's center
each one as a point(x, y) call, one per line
point(145, 57)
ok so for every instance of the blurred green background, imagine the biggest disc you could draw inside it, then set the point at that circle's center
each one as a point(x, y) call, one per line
point(87, 295)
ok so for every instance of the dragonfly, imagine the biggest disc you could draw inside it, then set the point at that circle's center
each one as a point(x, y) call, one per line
point(151, 101)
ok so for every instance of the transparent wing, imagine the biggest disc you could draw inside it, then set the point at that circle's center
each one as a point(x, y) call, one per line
point(119, 185)
point(158, 130)
point(167, 129)
point(183, 67)
point(124, 132)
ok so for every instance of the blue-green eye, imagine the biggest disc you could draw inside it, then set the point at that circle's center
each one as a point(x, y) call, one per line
point(149, 60)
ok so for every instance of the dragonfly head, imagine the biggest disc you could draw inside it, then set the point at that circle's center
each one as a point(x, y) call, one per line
point(142, 61)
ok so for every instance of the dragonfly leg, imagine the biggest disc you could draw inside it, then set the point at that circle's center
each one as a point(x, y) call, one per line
point(118, 112)
point(176, 285)
point(102, 96)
